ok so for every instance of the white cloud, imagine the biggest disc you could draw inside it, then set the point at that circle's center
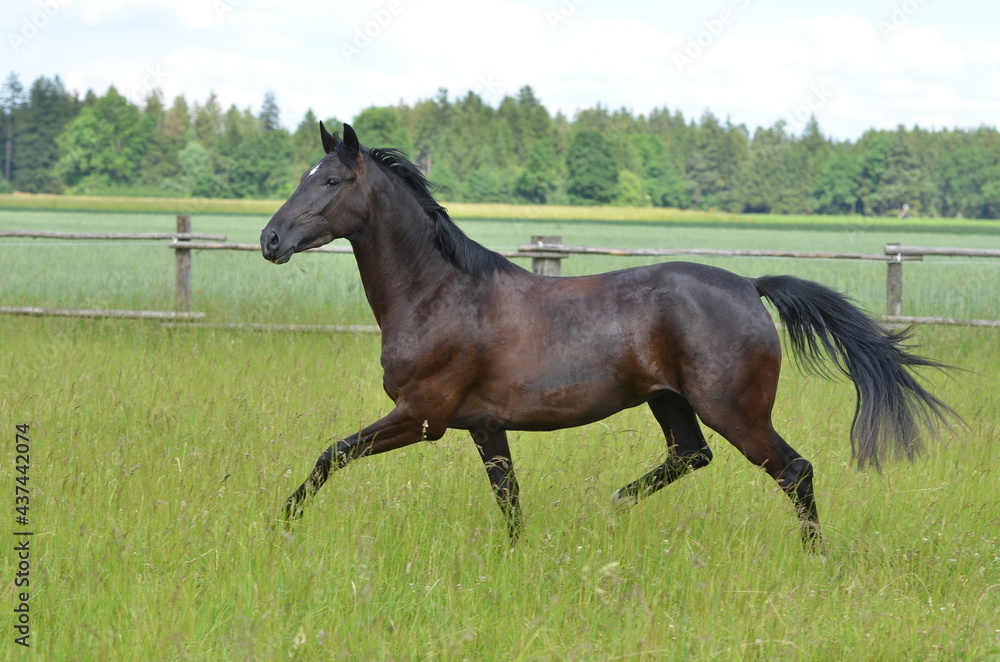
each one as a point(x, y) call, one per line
point(924, 51)
point(187, 14)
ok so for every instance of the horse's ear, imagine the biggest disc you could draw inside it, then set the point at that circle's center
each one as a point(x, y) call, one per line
point(329, 141)
point(351, 141)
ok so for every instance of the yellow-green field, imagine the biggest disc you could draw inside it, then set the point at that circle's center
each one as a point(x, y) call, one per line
point(50, 202)
point(458, 210)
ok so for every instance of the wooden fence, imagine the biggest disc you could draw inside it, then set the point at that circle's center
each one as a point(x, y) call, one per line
point(894, 256)
point(546, 253)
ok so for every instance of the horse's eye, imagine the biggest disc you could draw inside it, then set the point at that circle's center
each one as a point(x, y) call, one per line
point(333, 181)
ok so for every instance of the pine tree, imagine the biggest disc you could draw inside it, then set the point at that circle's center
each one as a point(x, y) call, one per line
point(380, 127)
point(631, 191)
point(238, 126)
point(160, 161)
point(11, 98)
point(765, 179)
point(177, 122)
point(427, 124)
point(306, 146)
point(541, 175)
point(270, 116)
point(199, 178)
point(261, 166)
point(592, 174)
point(536, 123)
point(659, 176)
point(490, 185)
point(905, 183)
point(705, 167)
point(964, 174)
point(838, 179)
point(207, 122)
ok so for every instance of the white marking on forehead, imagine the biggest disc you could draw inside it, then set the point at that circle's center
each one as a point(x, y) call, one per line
point(314, 169)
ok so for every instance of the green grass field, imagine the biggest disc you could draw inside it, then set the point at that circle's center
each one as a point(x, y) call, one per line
point(324, 289)
point(160, 459)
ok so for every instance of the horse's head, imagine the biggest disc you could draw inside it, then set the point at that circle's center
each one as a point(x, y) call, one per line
point(328, 203)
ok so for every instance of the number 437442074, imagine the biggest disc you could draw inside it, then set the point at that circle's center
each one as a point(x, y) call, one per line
point(22, 463)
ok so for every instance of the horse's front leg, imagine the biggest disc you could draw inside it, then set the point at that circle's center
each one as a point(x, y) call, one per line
point(399, 428)
point(495, 452)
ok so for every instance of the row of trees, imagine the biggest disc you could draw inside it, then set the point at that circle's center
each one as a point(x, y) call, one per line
point(515, 152)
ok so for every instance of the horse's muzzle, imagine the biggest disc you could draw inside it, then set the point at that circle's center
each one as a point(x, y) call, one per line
point(270, 247)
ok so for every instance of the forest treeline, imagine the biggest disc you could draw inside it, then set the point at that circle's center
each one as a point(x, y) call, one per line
point(517, 152)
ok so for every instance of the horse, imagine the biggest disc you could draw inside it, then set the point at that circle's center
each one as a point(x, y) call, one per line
point(471, 341)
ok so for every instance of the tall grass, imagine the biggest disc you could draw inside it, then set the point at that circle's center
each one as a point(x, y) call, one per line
point(161, 459)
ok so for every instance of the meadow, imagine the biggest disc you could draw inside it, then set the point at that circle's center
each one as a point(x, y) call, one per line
point(325, 289)
point(160, 458)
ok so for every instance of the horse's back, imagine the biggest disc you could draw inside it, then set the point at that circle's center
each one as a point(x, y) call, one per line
point(674, 300)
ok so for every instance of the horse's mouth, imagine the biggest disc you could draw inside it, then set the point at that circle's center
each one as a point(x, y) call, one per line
point(281, 259)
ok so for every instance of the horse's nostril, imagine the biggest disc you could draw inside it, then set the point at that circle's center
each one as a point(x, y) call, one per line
point(273, 241)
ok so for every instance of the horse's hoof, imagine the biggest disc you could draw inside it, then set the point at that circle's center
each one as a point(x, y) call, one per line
point(293, 512)
point(622, 501)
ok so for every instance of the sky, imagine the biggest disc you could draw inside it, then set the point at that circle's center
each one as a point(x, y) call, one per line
point(855, 65)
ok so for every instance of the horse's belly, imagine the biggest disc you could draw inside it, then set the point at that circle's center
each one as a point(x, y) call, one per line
point(550, 402)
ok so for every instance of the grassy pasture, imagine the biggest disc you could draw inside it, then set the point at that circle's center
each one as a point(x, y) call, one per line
point(161, 457)
point(325, 289)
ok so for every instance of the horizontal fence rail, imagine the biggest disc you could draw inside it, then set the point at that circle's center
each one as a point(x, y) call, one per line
point(235, 246)
point(112, 236)
point(99, 313)
point(269, 328)
point(564, 249)
point(908, 251)
point(545, 251)
point(907, 319)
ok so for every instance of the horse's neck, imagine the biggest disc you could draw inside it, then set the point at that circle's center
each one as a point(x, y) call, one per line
point(397, 256)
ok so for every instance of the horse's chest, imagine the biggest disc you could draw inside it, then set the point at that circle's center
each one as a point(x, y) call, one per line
point(410, 362)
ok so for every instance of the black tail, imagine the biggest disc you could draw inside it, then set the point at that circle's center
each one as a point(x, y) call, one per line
point(892, 406)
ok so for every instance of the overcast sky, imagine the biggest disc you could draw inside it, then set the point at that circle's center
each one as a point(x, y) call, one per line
point(855, 64)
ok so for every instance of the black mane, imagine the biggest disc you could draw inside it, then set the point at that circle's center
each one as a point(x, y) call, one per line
point(466, 254)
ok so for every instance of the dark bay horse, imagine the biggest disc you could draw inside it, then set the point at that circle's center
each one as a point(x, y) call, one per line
point(473, 342)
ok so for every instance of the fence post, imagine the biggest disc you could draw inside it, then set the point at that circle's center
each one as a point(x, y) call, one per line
point(894, 287)
point(545, 266)
point(182, 282)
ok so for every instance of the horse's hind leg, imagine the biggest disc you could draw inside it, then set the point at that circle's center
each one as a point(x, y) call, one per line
point(495, 452)
point(686, 449)
point(793, 473)
point(737, 403)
